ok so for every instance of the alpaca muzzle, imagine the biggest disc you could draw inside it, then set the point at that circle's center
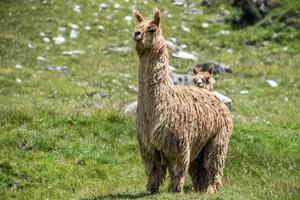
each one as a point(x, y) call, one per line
point(138, 36)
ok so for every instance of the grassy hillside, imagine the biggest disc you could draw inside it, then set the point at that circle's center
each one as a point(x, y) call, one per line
point(60, 141)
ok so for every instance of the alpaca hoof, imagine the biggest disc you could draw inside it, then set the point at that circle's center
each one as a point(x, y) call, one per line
point(152, 189)
point(211, 190)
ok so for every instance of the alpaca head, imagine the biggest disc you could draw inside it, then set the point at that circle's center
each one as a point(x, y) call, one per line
point(203, 79)
point(147, 32)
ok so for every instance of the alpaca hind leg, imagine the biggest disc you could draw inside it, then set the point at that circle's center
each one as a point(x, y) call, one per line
point(177, 169)
point(214, 160)
point(197, 173)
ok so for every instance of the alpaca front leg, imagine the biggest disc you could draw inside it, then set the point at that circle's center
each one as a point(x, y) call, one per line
point(156, 174)
point(154, 169)
point(177, 169)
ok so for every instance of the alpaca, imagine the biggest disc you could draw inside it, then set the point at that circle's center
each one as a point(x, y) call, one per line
point(203, 79)
point(179, 128)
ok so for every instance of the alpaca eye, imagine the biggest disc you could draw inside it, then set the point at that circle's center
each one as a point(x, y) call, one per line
point(151, 30)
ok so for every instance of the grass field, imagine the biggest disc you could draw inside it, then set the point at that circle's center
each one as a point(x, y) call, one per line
point(57, 141)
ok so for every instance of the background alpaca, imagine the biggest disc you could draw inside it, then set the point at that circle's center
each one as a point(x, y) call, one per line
point(203, 79)
point(179, 128)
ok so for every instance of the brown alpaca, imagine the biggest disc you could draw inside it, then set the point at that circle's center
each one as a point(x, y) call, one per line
point(203, 79)
point(179, 128)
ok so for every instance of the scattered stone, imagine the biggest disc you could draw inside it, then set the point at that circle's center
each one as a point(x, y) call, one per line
point(130, 107)
point(196, 11)
point(73, 26)
point(207, 3)
point(100, 27)
point(18, 81)
point(128, 19)
point(133, 88)
point(62, 29)
point(185, 28)
point(98, 94)
point(121, 49)
point(46, 39)
point(77, 8)
point(57, 68)
point(178, 2)
point(254, 10)
point(102, 6)
point(41, 58)
point(205, 25)
point(243, 92)
point(72, 52)
point(30, 46)
point(19, 66)
point(185, 55)
point(217, 67)
point(181, 79)
point(224, 32)
point(59, 40)
point(226, 100)
point(272, 83)
point(42, 34)
point(74, 34)
point(117, 6)
point(88, 28)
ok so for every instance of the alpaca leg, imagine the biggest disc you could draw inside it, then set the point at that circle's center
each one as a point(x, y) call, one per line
point(214, 160)
point(177, 169)
point(154, 169)
point(197, 173)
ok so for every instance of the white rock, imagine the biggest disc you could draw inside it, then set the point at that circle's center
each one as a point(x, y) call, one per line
point(130, 107)
point(205, 25)
point(41, 58)
point(272, 83)
point(224, 32)
point(117, 6)
point(72, 52)
point(77, 8)
point(100, 27)
point(59, 40)
point(74, 34)
point(19, 81)
point(19, 66)
point(128, 18)
point(73, 26)
point(88, 28)
point(185, 28)
point(102, 6)
point(226, 100)
point(185, 55)
point(46, 39)
point(62, 29)
point(121, 49)
point(244, 92)
point(42, 34)
point(30, 46)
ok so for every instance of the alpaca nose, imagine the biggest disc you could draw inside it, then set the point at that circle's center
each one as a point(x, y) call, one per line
point(200, 83)
point(137, 36)
point(137, 33)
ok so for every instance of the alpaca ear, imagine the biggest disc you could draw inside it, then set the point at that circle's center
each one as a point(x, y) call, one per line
point(210, 71)
point(156, 19)
point(138, 15)
point(195, 70)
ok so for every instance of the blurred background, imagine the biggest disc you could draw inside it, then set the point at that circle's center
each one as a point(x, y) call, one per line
point(68, 78)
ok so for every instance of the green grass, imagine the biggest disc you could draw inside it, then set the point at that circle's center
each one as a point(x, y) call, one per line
point(58, 142)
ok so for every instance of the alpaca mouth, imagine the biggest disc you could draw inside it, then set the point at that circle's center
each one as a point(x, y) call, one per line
point(137, 38)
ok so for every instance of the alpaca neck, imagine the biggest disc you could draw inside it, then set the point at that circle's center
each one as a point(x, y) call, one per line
point(154, 79)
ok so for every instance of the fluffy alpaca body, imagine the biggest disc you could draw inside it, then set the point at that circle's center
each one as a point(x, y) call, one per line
point(203, 79)
point(179, 128)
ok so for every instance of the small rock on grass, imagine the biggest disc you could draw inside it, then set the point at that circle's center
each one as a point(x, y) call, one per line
point(217, 67)
point(57, 68)
point(130, 107)
point(272, 83)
